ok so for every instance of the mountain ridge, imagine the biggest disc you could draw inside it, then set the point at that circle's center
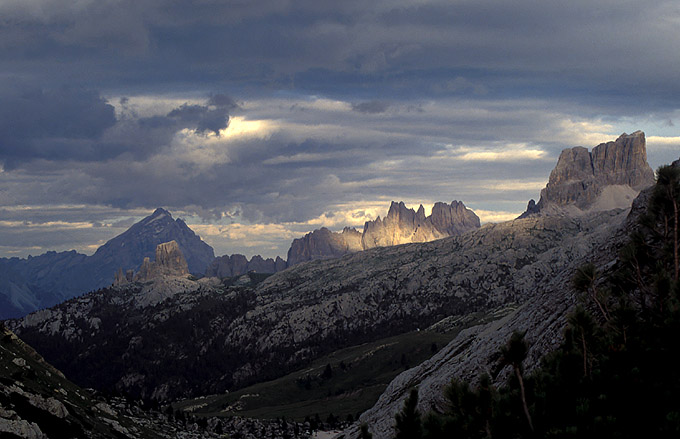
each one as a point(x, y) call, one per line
point(401, 225)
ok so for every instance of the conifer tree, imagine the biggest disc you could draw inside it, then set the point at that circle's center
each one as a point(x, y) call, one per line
point(365, 434)
point(583, 326)
point(408, 420)
point(584, 280)
point(513, 354)
point(665, 201)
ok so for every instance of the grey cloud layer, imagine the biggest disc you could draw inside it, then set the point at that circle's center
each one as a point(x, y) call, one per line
point(55, 124)
point(362, 100)
point(321, 151)
point(543, 48)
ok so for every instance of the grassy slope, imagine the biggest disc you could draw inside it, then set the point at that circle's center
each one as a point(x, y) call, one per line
point(359, 375)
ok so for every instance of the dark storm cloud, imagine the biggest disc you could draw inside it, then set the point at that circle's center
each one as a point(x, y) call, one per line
point(583, 48)
point(203, 118)
point(222, 101)
point(72, 124)
point(214, 116)
point(360, 99)
point(56, 124)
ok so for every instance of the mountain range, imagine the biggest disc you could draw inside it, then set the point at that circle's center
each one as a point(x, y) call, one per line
point(45, 280)
point(165, 336)
point(401, 226)
point(212, 337)
point(38, 282)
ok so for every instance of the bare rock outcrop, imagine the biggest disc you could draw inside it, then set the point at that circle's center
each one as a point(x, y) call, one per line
point(169, 262)
point(608, 177)
point(324, 244)
point(166, 276)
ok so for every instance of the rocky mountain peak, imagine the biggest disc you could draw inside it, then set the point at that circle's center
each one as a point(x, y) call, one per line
point(624, 161)
point(453, 219)
point(324, 244)
point(420, 214)
point(129, 249)
point(170, 258)
point(403, 225)
point(169, 262)
point(608, 177)
point(160, 211)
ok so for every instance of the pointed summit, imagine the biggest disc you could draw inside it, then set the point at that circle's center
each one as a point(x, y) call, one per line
point(160, 211)
point(48, 279)
point(128, 250)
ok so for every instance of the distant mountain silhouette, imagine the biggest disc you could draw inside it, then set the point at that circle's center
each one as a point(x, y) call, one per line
point(42, 281)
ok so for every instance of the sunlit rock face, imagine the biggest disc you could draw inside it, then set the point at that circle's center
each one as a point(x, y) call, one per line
point(169, 262)
point(608, 177)
point(403, 225)
point(324, 244)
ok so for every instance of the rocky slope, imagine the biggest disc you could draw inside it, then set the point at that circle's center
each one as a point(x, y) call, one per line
point(236, 265)
point(401, 226)
point(608, 177)
point(42, 281)
point(476, 350)
point(324, 244)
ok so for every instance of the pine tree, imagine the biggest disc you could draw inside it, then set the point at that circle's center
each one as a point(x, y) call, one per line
point(583, 326)
point(365, 434)
point(585, 280)
point(408, 420)
point(513, 354)
point(665, 201)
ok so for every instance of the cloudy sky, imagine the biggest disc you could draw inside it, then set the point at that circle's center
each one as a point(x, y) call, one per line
point(259, 120)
